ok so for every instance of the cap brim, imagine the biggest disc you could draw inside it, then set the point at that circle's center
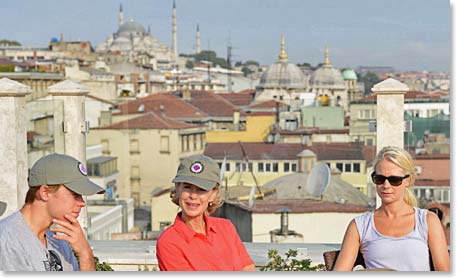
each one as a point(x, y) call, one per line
point(202, 183)
point(2, 208)
point(85, 187)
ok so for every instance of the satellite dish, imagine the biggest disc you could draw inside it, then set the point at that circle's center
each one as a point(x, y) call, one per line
point(318, 180)
point(251, 197)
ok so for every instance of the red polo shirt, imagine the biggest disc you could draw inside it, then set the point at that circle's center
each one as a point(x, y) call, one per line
point(179, 247)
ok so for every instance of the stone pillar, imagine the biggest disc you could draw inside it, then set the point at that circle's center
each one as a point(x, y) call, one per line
point(13, 146)
point(70, 125)
point(390, 123)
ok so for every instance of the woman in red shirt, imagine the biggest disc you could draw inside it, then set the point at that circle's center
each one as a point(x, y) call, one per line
point(197, 241)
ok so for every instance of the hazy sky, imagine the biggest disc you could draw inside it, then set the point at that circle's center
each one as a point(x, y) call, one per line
point(405, 34)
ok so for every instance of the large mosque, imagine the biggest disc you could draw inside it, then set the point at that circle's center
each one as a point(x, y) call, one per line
point(132, 42)
point(286, 82)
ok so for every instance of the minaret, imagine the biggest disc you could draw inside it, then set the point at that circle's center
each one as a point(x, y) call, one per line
point(327, 61)
point(175, 32)
point(121, 15)
point(283, 55)
point(197, 41)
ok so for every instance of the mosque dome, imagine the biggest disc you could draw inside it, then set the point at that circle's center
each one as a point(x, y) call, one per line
point(349, 74)
point(327, 76)
point(282, 74)
point(131, 27)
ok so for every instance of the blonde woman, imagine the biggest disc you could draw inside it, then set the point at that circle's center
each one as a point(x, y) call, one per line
point(197, 241)
point(397, 235)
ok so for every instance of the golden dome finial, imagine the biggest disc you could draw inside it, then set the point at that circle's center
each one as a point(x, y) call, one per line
point(283, 55)
point(327, 61)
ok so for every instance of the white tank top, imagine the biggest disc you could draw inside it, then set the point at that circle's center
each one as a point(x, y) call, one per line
point(406, 253)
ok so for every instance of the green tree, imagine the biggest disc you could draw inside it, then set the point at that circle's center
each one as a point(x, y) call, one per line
point(369, 79)
point(289, 263)
point(9, 42)
point(190, 64)
point(211, 56)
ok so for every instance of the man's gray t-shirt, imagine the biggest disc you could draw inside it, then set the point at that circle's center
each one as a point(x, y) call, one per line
point(21, 250)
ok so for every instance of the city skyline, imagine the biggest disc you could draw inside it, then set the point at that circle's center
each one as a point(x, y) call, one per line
point(407, 35)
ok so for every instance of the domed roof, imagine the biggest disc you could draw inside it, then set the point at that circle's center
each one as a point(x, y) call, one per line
point(131, 27)
point(349, 74)
point(293, 186)
point(283, 74)
point(327, 76)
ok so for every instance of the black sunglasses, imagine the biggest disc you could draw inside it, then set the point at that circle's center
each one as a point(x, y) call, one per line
point(393, 180)
point(54, 263)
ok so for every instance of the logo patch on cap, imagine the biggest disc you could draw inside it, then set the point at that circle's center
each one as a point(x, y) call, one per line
point(196, 167)
point(82, 169)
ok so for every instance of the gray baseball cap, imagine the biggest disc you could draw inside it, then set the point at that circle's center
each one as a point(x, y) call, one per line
point(199, 170)
point(56, 169)
point(2, 208)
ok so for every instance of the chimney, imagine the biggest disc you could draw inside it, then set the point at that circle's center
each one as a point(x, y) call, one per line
point(236, 119)
point(186, 95)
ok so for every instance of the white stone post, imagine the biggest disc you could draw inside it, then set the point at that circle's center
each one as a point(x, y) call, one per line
point(390, 123)
point(13, 146)
point(70, 125)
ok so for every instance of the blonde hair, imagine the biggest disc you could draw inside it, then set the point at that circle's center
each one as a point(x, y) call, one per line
point(402, 159)
point(212, 206)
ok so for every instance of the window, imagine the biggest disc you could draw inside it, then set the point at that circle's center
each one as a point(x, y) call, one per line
point(369, 142)
point(250, 166)
point(243, 167)
point(227, 166)
point(135, 172)
point(134, 146)
point(294, 167)
point(267, 167)
point(237, 167)
point(356, 167)
point(286, 167)
point(164, 144)
point(260, 167)
point(339, 166)
point(347, 167)
point(275, 167)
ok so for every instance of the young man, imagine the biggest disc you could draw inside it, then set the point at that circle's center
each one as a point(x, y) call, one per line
point(27, 243)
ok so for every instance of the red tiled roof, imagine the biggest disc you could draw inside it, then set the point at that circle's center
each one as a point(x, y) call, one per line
point(168, 104)
point(428, 182)
point(212, 104)
point(150, 120)
point(239, 99)
point(433, 167)
point(297, 206)
point(250, 92)
point(267, 104)
point(408, 95)
point(283, 151)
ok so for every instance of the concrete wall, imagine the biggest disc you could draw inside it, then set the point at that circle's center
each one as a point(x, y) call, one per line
point(257, 128)
point(315, 227)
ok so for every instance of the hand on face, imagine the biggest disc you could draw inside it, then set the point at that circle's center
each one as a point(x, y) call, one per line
point(70, 231)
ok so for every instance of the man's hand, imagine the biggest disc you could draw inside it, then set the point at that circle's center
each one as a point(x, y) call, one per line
point(71, 232)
